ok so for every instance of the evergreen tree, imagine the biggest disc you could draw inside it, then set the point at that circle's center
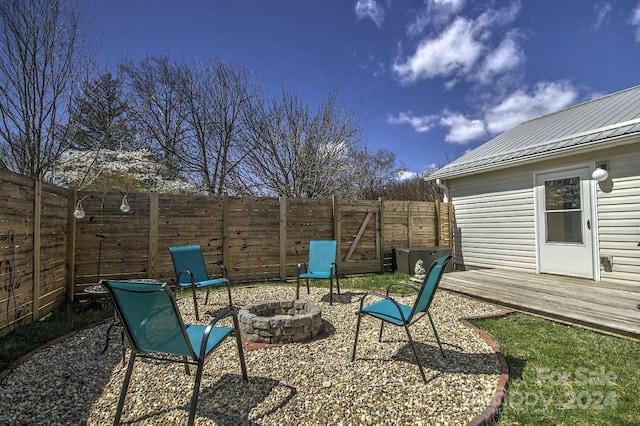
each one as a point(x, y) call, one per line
point(100, 118)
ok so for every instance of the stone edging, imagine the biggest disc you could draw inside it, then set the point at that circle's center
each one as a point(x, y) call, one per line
point(491, 412)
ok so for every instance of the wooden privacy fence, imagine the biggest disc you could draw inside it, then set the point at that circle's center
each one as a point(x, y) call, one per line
point(255, 238)
point(33, 249)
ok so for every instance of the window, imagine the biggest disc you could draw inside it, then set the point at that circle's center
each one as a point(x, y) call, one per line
point(563, 210)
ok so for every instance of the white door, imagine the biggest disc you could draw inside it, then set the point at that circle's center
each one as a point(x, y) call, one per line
point(564, 223)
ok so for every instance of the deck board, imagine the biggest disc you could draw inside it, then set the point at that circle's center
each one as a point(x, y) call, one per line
point(609, 307)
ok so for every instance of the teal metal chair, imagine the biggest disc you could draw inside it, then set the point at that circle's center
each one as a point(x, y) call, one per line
point(155, 329)
point(191, 272)
point(389, 311)
point(322, 265)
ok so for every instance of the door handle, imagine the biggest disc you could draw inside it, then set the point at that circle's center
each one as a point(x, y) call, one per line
point(589, 224)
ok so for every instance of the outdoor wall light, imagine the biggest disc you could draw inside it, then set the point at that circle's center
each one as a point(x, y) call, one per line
point(600, 174)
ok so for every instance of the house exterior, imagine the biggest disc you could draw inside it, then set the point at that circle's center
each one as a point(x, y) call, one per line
point(529, 199)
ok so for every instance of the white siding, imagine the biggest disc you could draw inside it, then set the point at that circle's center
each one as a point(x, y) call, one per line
point(495, 221)
point(619, 218)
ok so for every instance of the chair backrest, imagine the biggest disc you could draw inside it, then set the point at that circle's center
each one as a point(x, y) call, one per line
point(189, 258)
point(321, 255)
point(150, 317)
point(429, 285)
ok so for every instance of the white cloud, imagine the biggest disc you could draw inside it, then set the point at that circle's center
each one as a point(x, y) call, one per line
point(457, 50)
point(405, 174)
point(461, 129)
point(446, 6)
point(602, 10)
point(520, 106)
point(420, 22)
point(437, 11)
point(370, 9)
point(499, 17)
point(506, 57)
point(420, 124)
point(517, 107)
point(635, 21)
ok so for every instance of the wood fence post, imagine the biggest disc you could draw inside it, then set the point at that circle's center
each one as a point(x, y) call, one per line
point(37, 228)
point(451, 227)
point(70, 273)
point(380, 235)
point(410, 224)
point(335, 212)
point(437, 223)
point(154, 218)
point(225, 229)
point(283, 238)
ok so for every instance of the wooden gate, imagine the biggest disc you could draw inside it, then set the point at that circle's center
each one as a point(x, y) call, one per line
point(357, 230)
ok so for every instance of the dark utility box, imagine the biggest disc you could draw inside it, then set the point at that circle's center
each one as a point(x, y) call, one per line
point(406, 258)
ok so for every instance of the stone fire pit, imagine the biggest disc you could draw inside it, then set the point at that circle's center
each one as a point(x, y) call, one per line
point(280, 321)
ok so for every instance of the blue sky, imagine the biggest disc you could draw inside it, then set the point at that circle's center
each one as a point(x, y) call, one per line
point(431, 79)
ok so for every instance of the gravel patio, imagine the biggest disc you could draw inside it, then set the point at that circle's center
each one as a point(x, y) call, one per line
point(311, 383)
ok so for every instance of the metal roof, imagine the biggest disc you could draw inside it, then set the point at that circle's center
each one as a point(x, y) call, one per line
point(591, 124)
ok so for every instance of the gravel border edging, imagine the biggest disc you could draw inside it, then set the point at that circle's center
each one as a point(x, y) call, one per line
point(491, 413)
point(24, 358)
point(495, 397)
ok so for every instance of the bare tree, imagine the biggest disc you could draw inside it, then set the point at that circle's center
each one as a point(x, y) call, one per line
point(300, 154)
point(374, 172)
point(412, 189)
point(156, 87)
point(42, 57)
point(219, 96)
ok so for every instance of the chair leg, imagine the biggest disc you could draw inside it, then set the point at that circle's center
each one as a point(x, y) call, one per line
point(436, 333)
point(195, 302)
point(186, 366)
point(415, 353)
point(381, 328)
point(298, 288)
point(243, 365)
point(308, 290)
point(125, 386)
point(229, 294)
point(355, 341)
point(338, 283)
point(206, 298)
point(196, 393)
point(330, 291)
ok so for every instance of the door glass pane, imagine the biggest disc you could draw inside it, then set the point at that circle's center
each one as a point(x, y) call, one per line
point(563, 210)
point(564, 227)
point(562, 194)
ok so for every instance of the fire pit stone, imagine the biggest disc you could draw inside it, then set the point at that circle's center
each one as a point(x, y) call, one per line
point(280, 321)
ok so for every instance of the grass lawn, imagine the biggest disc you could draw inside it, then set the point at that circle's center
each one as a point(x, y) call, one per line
point(558, 374)
point(565, 375)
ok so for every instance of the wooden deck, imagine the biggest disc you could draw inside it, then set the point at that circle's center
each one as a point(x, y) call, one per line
point(604, 306)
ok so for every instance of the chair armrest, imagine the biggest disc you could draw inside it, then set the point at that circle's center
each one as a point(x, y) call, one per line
point(302, 267)
point(207, 332)
point(334, 268)
point(224, 270)
point(188, 272)
point(370, 293)
point(401, 284)
point(381, 296)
